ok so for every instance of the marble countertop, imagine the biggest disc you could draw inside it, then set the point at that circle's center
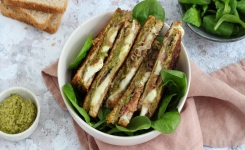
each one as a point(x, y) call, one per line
point(25, 51)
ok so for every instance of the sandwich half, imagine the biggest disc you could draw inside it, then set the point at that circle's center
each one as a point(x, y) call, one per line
point(167, 59)
point(143, 43)
point(102, 44)
point(117, 56)
point(127, 104)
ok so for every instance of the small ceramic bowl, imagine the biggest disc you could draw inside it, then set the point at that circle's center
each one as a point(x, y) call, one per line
point(70, 50)
point(200, 31)
point(25, 94)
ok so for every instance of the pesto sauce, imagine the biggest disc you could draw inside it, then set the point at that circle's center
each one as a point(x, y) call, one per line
point(16, 114)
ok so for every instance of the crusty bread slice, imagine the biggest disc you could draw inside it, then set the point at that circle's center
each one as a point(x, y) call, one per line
point(36, 18)
point(50, 26)
point(50, 6)
point(54, 23)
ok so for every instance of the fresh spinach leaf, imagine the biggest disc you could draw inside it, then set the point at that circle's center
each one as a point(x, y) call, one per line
point(70, 94)
point(103, 113)
point(178, 81)
point(82, 53)
point(168, 123)
point(137, 123)
point(96, 125)
point(220, 9)
point(193, 16)
point(229, 18)
point(204, 10)
point(114, 130)
point(198, 2)
point(163, 105)
point(233, 4)
point(225, 29)
point(146, 8)
point(241, 6)
point(227, 7)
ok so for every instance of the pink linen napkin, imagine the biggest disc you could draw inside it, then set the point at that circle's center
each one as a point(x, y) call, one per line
point(213, 115)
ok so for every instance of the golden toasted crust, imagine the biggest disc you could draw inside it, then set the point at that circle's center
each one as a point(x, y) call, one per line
point(38, 5)
point(50, 25)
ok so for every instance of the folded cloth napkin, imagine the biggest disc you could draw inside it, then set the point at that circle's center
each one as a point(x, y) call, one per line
point(213, 115)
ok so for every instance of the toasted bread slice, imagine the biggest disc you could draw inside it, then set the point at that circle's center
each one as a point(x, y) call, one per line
point(40, 5)
point(167, 59)
point(54, 23)
point(38, 19)
point(118, 54)
point(102, 44)
point(143, 43)
point(127, 104)
point(51, 26)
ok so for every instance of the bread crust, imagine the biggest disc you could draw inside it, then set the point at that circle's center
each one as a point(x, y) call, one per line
point(13, 13)
point(37, 6)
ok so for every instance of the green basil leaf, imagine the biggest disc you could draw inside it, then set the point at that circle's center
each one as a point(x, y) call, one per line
point(168, 123)
point(193, 16)
point(82, 53)
point(198, 2)
point(137, 123)
point(70, 94)
point(229, 18)
point(146, 8)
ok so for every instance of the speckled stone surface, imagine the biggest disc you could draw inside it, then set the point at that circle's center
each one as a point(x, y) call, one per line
point(25, 51)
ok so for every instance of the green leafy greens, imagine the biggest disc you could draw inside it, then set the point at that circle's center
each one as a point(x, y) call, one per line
point(70, 94)
point(82, 53)
point(219, 17)
point(146, 8)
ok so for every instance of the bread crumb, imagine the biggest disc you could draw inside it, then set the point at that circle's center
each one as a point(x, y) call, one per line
point(53, 44)
point(26, 28)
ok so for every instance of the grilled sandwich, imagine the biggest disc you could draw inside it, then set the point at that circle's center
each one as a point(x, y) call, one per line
point(143, 43)
point(117, 56)
point(167, 59)
point(99, 51)
point(127, 104)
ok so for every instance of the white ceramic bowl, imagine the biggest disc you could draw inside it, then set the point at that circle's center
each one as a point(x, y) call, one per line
point(26, 94)
point(71, 49)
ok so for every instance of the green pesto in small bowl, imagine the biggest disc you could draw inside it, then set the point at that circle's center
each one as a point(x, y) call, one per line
point(16, 114)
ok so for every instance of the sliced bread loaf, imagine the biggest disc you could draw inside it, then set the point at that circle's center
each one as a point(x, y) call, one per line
point(51, 26)
point(54, 23)
point(50, 6)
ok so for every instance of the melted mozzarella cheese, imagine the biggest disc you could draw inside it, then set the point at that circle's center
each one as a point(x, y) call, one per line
point(99, 91)
point(150, 96)
point(105, 48)
point(158, 68)
point(143, 111)
point(123, 52)
point(127, 79)
point(145, 78)
point(91, 70)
